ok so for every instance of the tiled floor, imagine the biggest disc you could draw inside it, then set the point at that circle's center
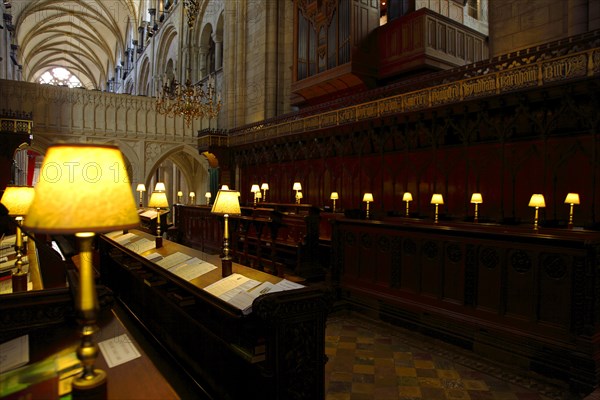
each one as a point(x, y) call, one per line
point(371, 360)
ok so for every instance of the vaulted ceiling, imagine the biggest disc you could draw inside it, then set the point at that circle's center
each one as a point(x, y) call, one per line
point(88, 37)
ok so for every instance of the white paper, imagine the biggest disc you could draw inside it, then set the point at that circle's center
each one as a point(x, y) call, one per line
point(243, 300)
point(142, 245)
point(118, 350)
point(228, 283)
point(243, 287)
point(284, 284)
point(173, 259)
point(192, 268)
point(154, 257)
point(122, 240)
point(265, 287)
point(149, 214)
point(113, 234)
point(14, 353)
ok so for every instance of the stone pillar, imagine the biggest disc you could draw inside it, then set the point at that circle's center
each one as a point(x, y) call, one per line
point(218, 39)
point(202, 68)
point(578, 16)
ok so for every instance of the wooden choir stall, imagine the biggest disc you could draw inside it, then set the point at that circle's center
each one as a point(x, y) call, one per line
point(507, 292)
point(273, 349)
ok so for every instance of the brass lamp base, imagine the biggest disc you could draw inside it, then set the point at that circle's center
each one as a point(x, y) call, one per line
point(91, 388)
point(19, 281)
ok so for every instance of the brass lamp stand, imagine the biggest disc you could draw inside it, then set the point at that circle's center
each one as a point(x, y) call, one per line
point(437, 199)
point(227, 203)
point(62, 206)
point(92, 382)
point(368, 198)
point(407, 197)
point(19, 277)
point(17, 200)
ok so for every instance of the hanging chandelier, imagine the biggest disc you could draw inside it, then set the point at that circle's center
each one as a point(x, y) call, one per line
point(191, 101)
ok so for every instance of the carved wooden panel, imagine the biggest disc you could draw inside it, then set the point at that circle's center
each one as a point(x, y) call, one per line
point(483, 284)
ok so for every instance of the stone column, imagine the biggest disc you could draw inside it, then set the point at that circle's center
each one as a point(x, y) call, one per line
point(578, 16)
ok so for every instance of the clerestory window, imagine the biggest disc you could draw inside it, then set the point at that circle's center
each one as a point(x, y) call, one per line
point(60, 76)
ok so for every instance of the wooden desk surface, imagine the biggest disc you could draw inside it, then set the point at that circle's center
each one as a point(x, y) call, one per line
point(211, 276)
point(136, 379)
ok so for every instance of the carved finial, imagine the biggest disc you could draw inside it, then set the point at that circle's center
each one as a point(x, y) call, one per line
point(191, 9)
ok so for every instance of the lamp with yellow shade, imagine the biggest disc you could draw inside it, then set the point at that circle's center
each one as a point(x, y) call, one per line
point(208, 196)
point(537, 200)
point(297, 186)
point(476, 199)
point(437, 199)
point(141, 188)
point(368, 198)
point(572, 199)
point(81, 192)
point(192, 198)
point(255, 189)
point(264, 187)
point(160, 187)
point(334, 196)
point(179, 196)
point(158, 200)
point(227, 202)
point(407, 197)
point(17, 200)
point(299, 197)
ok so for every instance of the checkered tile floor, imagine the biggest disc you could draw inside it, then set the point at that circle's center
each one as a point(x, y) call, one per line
point(371, 360)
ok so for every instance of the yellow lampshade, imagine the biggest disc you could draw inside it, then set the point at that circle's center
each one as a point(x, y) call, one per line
point(179, 193)
point(537, 200)
point(437, 199)
point(160, 187)
point(297, 186)
point(255, 189)
point(208, 195)
point(264, 186)
point(80, 190)
point(368, 197)
point(17, 199)
point(476, 198)
point(407, 196)
point(158, 200)
point(227, 202)
point(334, 196)
point(192, 195)
point(224, 187)
point(572, 198)
point(141, 187)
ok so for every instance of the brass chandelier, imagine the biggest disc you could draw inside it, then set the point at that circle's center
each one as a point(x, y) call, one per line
point(191, 101)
